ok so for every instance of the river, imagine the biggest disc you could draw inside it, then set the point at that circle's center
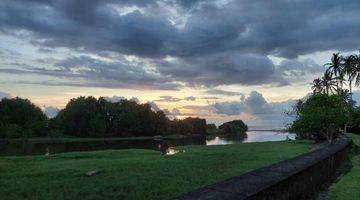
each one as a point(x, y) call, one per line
point(56, 146)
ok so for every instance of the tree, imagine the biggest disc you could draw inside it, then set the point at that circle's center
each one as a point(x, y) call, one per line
point(83, 117)
point(317, 86)
point(235, 127)
point(188, 126)
point(329, 83)
point(356, 72)
point(349, 70)
point(321, 116)
point(21, 118)
point(335, 68)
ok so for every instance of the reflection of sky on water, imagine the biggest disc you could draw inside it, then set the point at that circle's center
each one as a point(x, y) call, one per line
point(219, 141)
point(253, 136)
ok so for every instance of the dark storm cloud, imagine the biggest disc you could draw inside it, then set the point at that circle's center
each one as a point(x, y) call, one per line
point(299, 71)
point(91, 72)
point(217, 44)
point(246, 69)
point(280, 27)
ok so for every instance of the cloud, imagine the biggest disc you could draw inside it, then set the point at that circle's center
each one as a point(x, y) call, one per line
point(222, 69)
point(135, 99)
point(256, 105)
point(114, 99)
point(210, 98)
point(5, 95)
point(92, 72)
point(173, 113)
point(223, 92)
point(153, 106)
point(170, 113)
point(294, 70)
point(196, 43)
point(209, 27)
point(190, 98)
point(50, 111)
point(168, 99)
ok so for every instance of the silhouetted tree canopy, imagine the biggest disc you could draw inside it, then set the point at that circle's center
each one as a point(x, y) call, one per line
point(91, 117)
point(188, 126)
point(235, 127)
point(21, 118)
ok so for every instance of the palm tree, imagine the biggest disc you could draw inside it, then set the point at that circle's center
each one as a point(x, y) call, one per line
point(329, 83)
point(356, 73)
point(317, 86)
point(335, 68)
point(349, 70)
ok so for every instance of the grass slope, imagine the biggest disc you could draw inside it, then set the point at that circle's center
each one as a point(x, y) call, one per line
point(348, 188)
point(135, 174)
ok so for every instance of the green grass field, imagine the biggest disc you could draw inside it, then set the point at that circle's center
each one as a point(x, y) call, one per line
point(135, 174)
point(348, 188)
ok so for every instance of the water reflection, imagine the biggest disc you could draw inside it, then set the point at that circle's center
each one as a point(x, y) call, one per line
point(48, 148)
point(252, 136)
point(162, 144)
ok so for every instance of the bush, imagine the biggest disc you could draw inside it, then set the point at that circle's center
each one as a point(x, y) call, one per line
point(321, 116)
point(235, 127)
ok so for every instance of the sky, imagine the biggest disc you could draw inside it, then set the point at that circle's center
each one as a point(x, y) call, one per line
point(220, 60)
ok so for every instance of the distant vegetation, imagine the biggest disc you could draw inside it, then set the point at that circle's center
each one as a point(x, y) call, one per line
point(331, 109)
point(91, 117)
point(234, 128)
point(211, 129)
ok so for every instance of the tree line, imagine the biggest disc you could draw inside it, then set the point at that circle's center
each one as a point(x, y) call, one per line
point(330, 110)
point(91, 117)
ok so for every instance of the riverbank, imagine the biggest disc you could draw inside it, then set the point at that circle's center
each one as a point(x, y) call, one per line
point(348, 188)
point(134, 173)
point(81, 139)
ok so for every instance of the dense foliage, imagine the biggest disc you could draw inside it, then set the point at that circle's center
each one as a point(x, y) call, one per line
point(235, 127)
point(188, 126)
point(321, 116)
point(331, 107)
point(91, 117)
point(21, 118)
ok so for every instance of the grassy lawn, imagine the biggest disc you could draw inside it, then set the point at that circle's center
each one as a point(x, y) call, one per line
point(135, 174)
point(348, 188)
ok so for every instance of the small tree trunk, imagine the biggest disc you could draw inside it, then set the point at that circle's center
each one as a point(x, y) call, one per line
point(350, 86)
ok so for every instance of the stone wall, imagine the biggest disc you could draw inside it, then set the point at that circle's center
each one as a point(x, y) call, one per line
point(297, 178)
